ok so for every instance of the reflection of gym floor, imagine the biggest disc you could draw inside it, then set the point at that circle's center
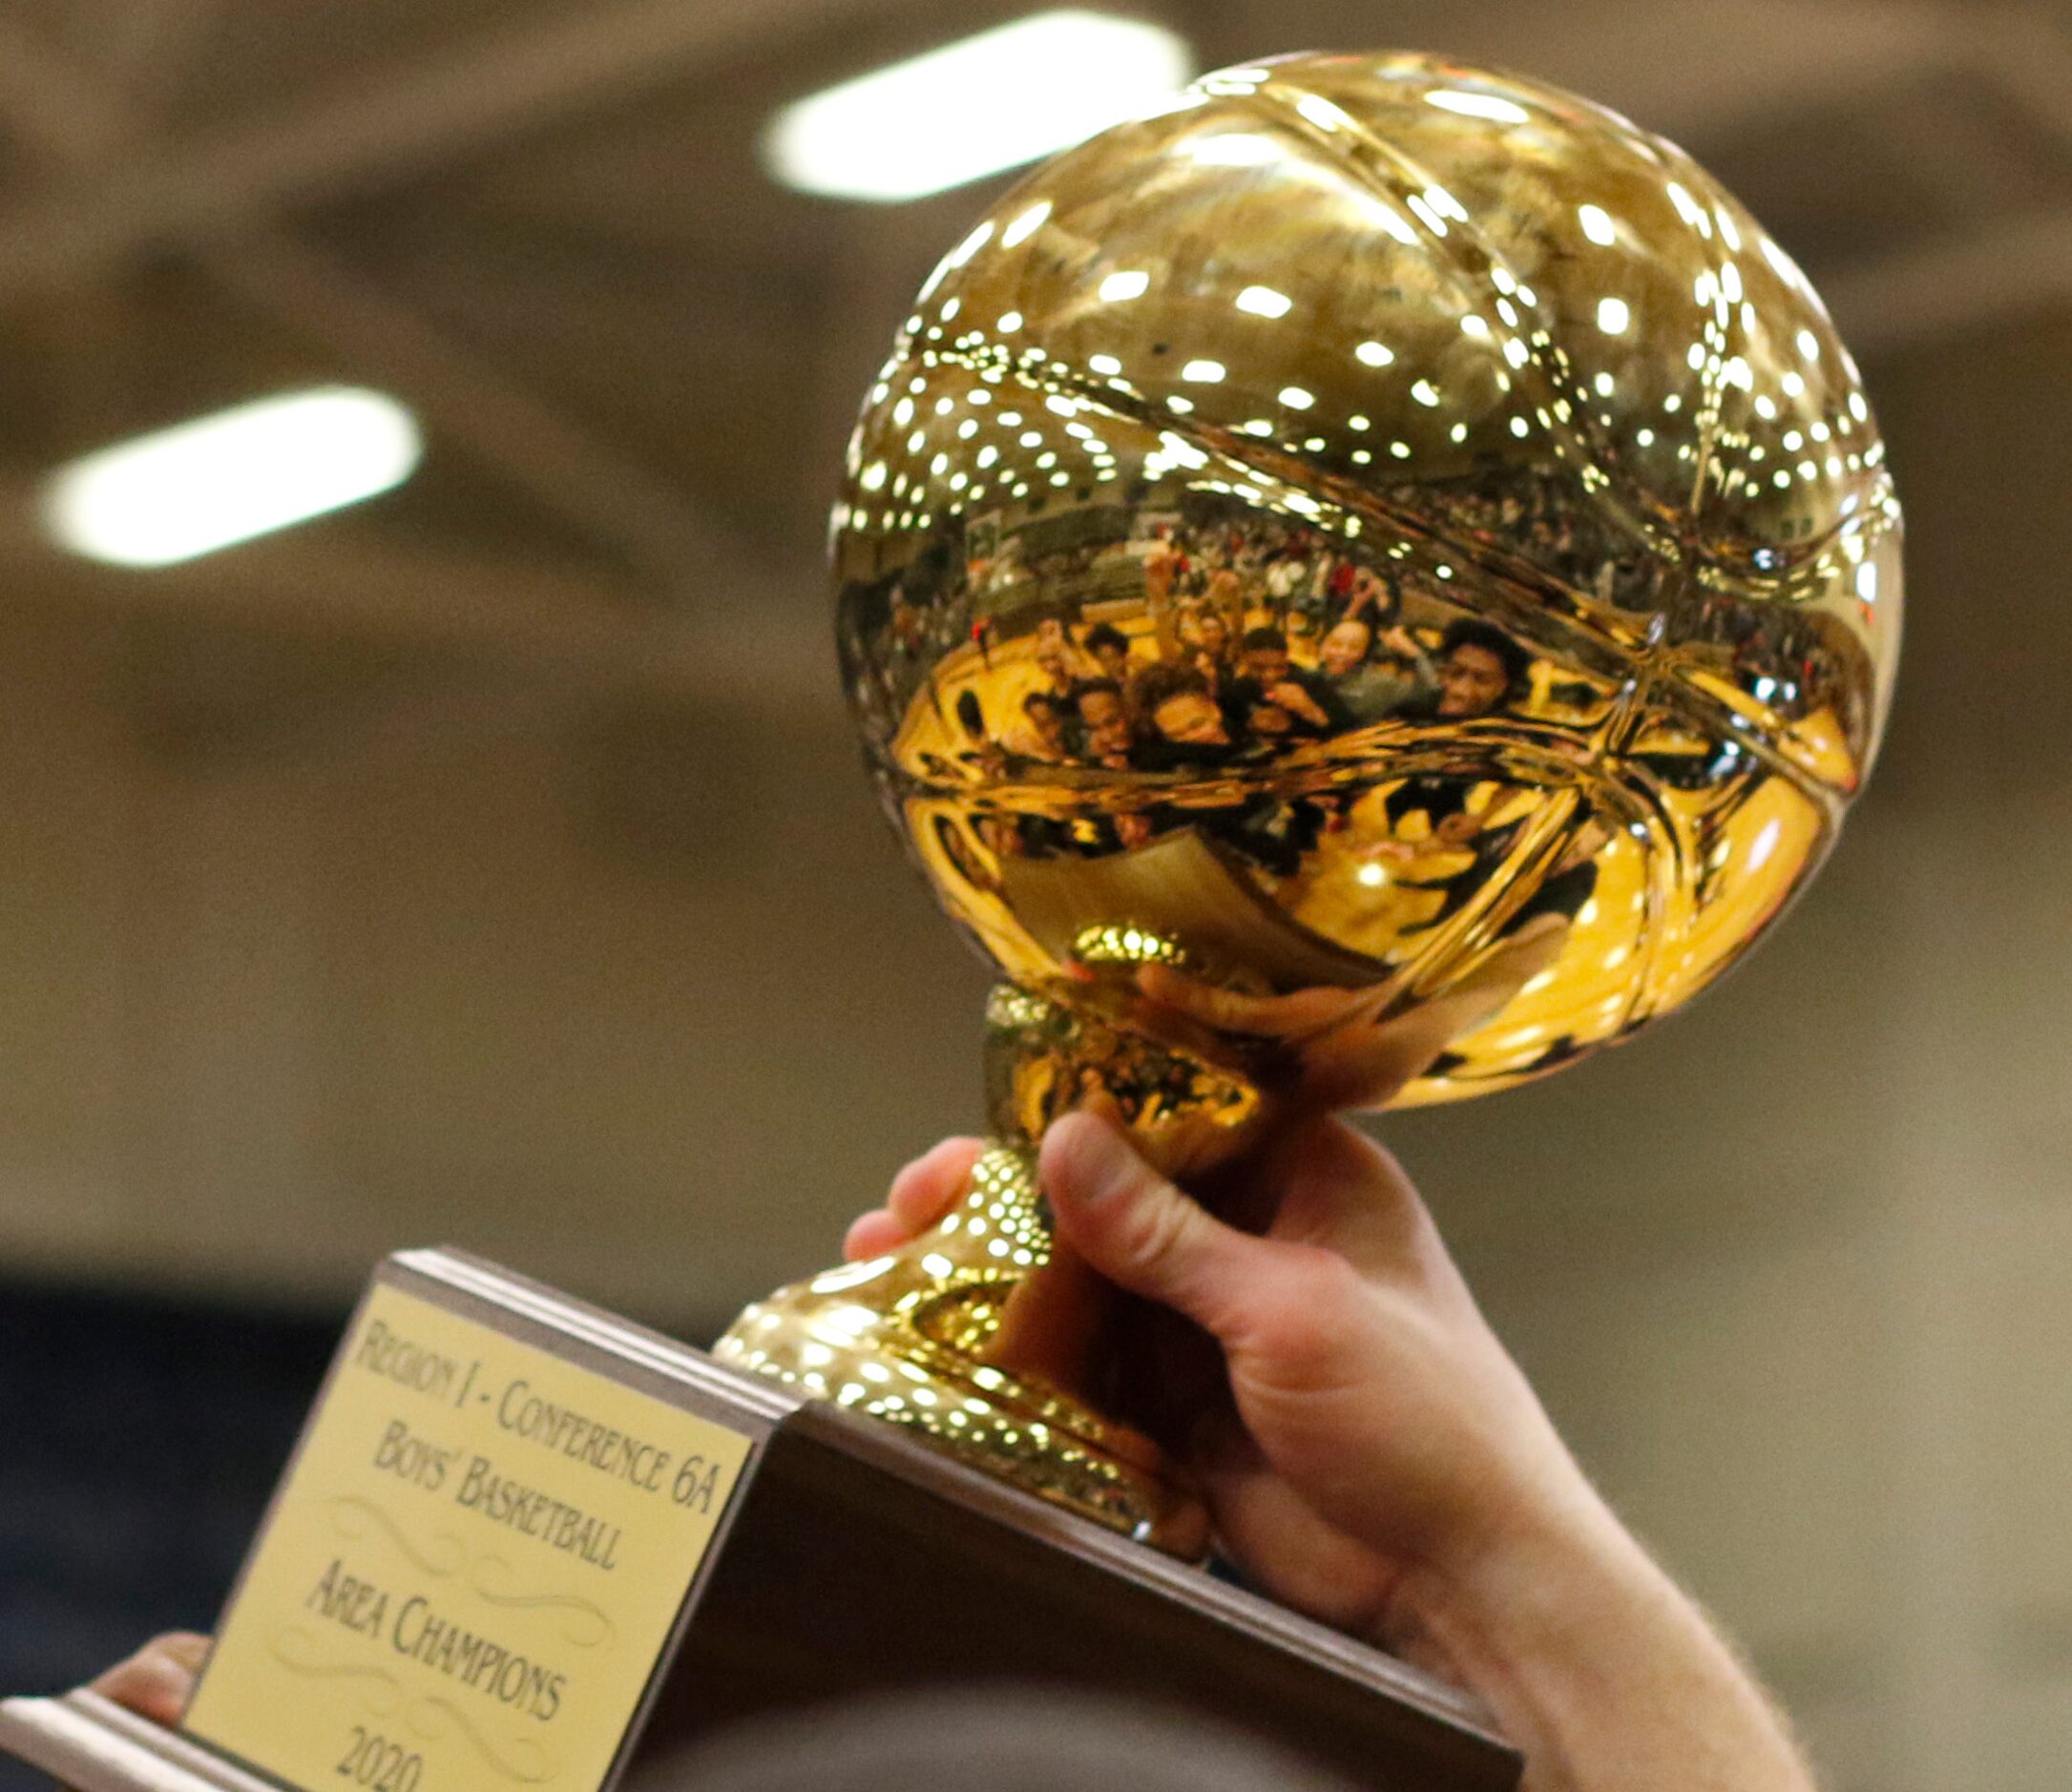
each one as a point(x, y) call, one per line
point(1759, 853)
point(1761, 849)
point(1183, 889)
point(931, 726)
point(1378, 887)
point(1816, 743)
point(1373, 902)
point(1004, 940)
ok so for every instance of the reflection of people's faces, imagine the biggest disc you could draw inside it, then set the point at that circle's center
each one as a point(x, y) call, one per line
point(1209, 632)
point(1471, 682)
point(1049, 722)
point(1343, 648)
point(1113, 659)
point(1049, 634)
point(1267, 664)
point(1192, 716)
point(1107, 722)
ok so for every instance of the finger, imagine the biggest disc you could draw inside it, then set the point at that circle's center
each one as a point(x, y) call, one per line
point(1225, 1009)
point(156, 1681)
point(1099, 1099)
point(1344, 1191)
point(188, 1648)
point(926, 1190)
point(1285, 1547)
point(874, 1234)
point(1140, 1231)
point(1230, 1011)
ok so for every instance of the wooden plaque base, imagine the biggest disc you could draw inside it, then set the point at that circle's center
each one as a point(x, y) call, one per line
point(855, 1561)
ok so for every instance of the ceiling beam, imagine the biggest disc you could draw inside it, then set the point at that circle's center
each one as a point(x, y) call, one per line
point(668, 541)
point(381, 129)
point(665, 540)
point(1693, 70)
point(150, 46)
point(2002, 271)
point(2031, 54)
point(549, 629)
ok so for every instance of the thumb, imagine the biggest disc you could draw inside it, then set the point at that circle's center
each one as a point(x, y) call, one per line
point(1137, 1229)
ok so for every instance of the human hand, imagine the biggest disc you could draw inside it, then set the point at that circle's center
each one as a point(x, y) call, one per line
point(1297, 702)
point(1377, 1440)
point(1379, 1462)
point(159, 1679)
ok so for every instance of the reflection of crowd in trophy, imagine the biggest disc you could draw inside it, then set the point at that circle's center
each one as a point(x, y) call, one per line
point(1100, 679)
point(1535, 518)
point(1792, 661)
point(1212, 647)
point(1225, 635)
point(1243, 640)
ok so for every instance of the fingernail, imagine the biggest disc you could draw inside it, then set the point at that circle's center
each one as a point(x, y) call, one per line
point(1097, 1160)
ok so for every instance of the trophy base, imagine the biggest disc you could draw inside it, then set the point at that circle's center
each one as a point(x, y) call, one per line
point(871, 1336)
point(847, 1562)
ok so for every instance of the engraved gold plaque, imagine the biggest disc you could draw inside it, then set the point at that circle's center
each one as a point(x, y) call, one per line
point(471, 1571)
point(1358, 589)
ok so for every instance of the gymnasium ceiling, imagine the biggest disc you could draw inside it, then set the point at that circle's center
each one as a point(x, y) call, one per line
point(542, 222)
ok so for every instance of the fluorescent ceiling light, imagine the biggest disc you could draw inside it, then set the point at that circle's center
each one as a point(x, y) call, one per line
point(201, 486)
point(975, 107)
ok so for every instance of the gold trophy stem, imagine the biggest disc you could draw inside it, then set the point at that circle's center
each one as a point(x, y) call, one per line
point(977, 1336)
point(923, 1337)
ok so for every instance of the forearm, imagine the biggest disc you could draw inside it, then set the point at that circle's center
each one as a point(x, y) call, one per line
point(1605, 1675)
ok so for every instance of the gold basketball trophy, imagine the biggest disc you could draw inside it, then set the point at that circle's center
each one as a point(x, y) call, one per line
point(1358, 589)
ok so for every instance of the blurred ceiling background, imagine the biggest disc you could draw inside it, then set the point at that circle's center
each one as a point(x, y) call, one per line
point(490, 862)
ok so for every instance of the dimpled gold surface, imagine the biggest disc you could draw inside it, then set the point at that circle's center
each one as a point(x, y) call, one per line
point(1358, 589)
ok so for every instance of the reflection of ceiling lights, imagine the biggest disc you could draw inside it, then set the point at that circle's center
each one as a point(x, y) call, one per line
point(975, 107)
point(188, 490)
point(1473, 105)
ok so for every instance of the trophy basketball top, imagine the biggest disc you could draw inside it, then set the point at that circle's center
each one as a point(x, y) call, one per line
point(1393, 542)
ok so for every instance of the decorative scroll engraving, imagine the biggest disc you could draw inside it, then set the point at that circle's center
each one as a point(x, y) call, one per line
point(349, 1505)
point(538, 1762)
point(294, 1648)
point(591, 1629)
